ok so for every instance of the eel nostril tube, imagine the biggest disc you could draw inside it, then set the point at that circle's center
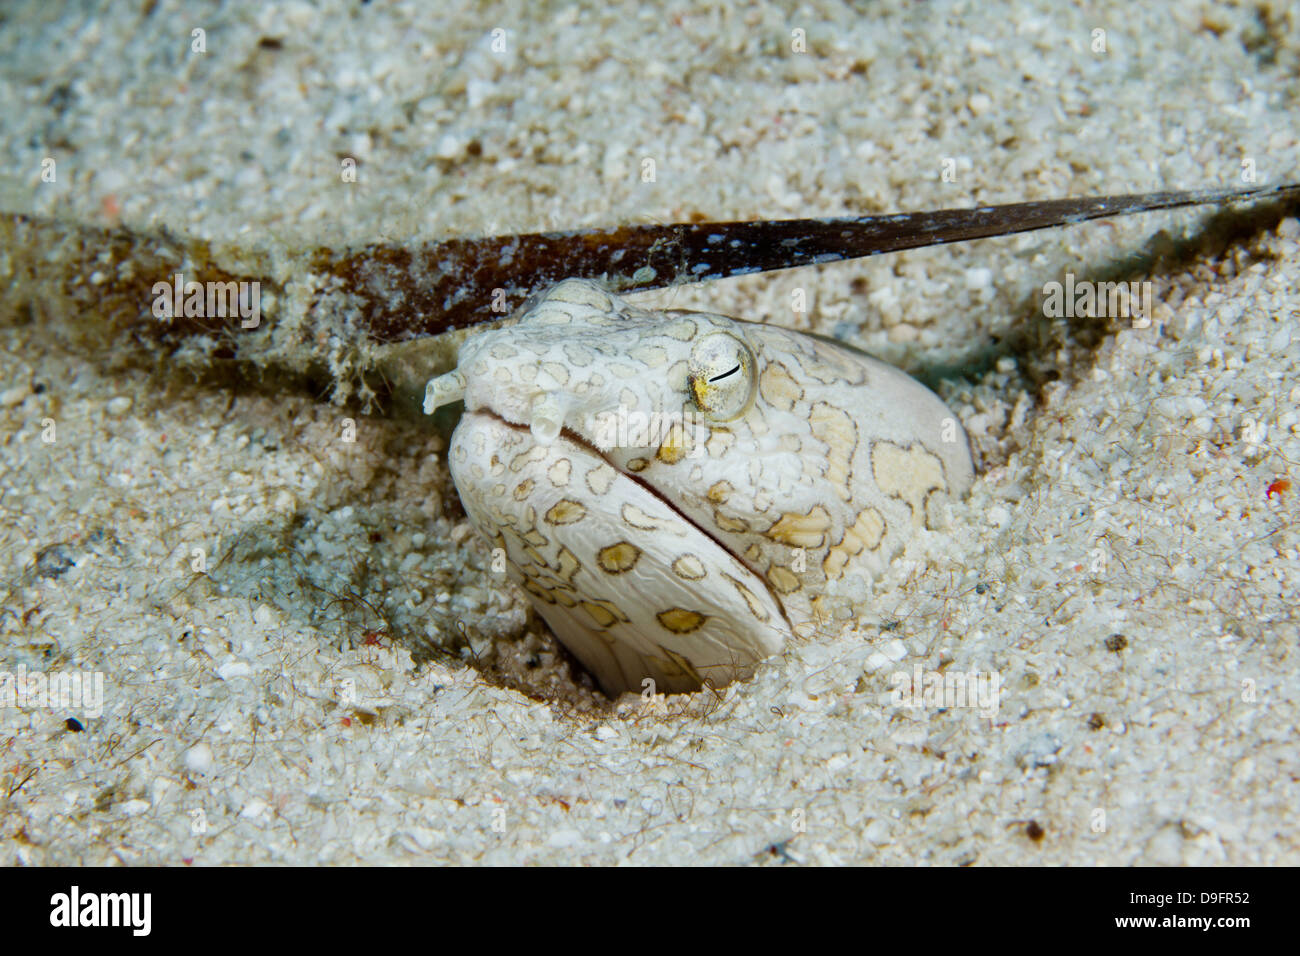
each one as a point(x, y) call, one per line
point(444, 390)
point(547, 417)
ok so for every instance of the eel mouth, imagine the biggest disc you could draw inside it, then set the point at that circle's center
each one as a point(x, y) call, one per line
point(569, 435)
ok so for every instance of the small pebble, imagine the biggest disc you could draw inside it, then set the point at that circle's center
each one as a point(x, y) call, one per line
point(199, 758)
point(14, 396)
point(233, 669)
point(903, 333)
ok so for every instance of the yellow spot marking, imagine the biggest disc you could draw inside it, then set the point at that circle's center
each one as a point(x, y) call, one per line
point(567, 565)
point(565, 511)
point(600, 478)
point(559, 473)
point(690, 567)
point(676, 375)
point(638, 519)
point(618, 558)
point(557, 371)
point(652, 355)
point(683, 330)
point(679, 621)
point(866, 533)
point(907, 473)
point(778, 388)
point(525, 458)
point(784, 580)
point(728, 523)
point(801, 531)
point(755, 606)
point(833, 427)
point(720, 492)
point(579, 356)
point(535, 589)
point(523, 489)
point(599, 613)
point(673, 448)
point(720, 442)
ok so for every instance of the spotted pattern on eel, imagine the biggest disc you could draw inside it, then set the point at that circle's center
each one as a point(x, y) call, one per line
point(690, 543)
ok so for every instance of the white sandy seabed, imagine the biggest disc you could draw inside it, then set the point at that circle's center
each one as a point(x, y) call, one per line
point(1126, 564)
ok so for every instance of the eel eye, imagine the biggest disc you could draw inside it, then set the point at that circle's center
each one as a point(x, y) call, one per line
point(721, 376)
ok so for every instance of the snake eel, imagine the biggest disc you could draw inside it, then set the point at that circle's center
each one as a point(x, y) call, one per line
point(675, 490)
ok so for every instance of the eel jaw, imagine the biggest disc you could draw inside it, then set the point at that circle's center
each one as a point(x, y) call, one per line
point(547, 411)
